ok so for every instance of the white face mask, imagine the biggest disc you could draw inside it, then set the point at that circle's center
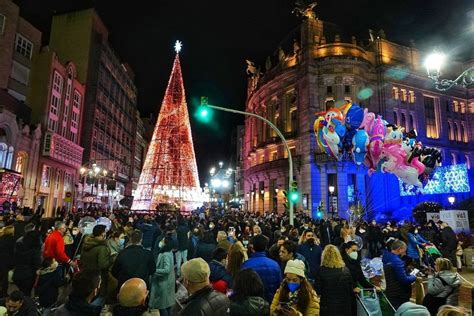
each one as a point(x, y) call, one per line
point(354, 255)
point(416, 231)
point(362, 230)
point(161, 244)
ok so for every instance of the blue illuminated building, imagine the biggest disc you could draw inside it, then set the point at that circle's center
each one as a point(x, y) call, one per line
point(319, 68)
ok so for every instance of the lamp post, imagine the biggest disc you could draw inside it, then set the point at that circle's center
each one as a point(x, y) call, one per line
point(434, 63)
point(203, 112)
point(331, 189)
point(220, 179)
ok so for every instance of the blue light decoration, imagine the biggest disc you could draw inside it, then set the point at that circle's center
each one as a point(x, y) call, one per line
point(350, 193)
point(447, 179)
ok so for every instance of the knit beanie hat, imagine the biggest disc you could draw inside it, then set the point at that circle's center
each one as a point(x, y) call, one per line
point(412, 309)
point(295, 266)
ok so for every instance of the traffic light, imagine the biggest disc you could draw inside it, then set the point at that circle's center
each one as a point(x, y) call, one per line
point(204, 113)
point(294, 195)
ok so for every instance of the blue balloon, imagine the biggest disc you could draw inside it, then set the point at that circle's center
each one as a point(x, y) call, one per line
point(354, 116)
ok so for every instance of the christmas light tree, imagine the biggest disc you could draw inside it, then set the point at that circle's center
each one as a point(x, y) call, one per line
point(169, 174)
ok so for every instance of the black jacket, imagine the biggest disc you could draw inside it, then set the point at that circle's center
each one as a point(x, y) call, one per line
point(134, 262)
point(335, 288)
point(448, 239)
point(27, 256)
point(7, 244)
point(204, 250)
point(356, 272)
point(206, 302)
point(48, 286)
point(27, 309)
point(250, 306)
point(129, 311)
point(77, 307)
point(182, 234)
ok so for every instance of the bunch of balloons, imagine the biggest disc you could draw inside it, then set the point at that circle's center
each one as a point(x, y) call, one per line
point(372, 141)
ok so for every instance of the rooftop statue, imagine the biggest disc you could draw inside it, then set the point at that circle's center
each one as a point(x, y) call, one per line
point(305, 9)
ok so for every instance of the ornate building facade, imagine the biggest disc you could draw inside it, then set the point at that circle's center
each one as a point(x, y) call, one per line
point(323, 70)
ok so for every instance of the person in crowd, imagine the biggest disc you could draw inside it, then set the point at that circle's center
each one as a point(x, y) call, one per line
point(134, 261)
point(182, 233)
point(311, 252)
point(448, 243)
point(288, 252)
point(7, 246)
point(443, 286)
point(17, 304)
point(49, 281)
point(197, 234)
point(267, 269)
point(248, 300)
point(398, 282)
point(205, 247)
point(132, 300)
point(95, 255)
point(163, 280)
point(54, 245)
point(116, 242)
point(295, 296)
point(415, 240)
point(449, 310)
point(235, 258)
point(361, 231)
point(204, 301)
point(411, 309)
point(222, 241)
point(149, 229)
point(334, 284)
point(220, 279)
point(20, 225)
point(430, 232)
point(274, 251)
point(85, 286)
point(27, 259)
point(374, 238)
point(459, 254)
point(350, 255)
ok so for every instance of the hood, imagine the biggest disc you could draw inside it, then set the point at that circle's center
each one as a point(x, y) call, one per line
point(450, 277)
point(412, 309)
point(7, 231)
point(217, 271)
point(91, 242)
point(252, 304)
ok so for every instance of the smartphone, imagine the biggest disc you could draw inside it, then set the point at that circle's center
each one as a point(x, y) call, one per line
point(285, 305)
point(415, 271)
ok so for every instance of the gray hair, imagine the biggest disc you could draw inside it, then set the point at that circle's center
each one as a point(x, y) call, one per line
point(398, 244)
point(58, 224)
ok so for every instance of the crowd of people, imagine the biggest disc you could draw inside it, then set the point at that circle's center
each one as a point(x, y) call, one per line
point(219, 263)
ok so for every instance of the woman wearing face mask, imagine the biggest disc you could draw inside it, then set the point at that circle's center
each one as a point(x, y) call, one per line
point(116, 242)
point(351, 259)
point(161, 297)
point(414, 241)
point(295, 296)
point(334, 284)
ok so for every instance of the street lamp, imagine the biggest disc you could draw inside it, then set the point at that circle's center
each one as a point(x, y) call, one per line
point(434, 62)
point(204, 114)
point(331, 189)
point(451, 200)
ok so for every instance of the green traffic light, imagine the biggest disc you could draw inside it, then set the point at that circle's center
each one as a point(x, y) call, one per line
point(203, 114)
point(294, 196)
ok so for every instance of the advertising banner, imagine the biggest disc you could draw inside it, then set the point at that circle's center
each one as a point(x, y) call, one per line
point(457, 219)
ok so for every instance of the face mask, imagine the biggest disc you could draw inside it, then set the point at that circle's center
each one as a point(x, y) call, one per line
point(293, 286)
point(416, 231)
point(211, 226)
point(354, 255)
point(161, 244)
point(362, 230)
point(245, 242)
point(121, 242)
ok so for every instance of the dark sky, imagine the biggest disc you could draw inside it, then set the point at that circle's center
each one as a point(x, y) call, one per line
point(219, 35)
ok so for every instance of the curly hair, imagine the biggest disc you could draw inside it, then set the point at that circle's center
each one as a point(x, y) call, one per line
point(331, 258)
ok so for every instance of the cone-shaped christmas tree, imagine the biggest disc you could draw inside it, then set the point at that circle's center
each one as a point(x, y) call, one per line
point(169, 174)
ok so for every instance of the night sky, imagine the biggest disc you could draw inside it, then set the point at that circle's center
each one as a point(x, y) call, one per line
point(218, 36)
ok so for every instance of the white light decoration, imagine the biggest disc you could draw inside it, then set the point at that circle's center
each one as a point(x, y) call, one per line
point(178, 46)
point(434, 62)
point(225, 183)
point(451, 199)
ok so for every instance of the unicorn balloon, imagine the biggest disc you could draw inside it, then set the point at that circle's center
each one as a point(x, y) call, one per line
point(396, 164)
point(368, 121)
point(360, 142)
point(376, 141)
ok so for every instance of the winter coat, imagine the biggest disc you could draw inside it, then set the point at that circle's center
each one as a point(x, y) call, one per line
point(133, 262)
point(429, 233)
point(268, 270)
point(183, 239)
point(397, 280)
point(7, 244)
point(311, 309)
point(54, 247)
point(28, 308)
point(250, 306)
point(355, 269)
point(224, 244)
point(334, 287)
point(95, 255)
point(206, 302)
point(148, 229)
point(448, 240)
point(27, 257)
point(204, 250)
point(312, 254)
point(48, 285)
point(218, 272)
point(119, 310)
point(163, 282)
point(413, 241)
point(451, 290)
point(114, 246)
point(76, 306)
point(299, 257)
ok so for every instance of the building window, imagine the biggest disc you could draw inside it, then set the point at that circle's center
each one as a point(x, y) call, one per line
point(395, 93)
point(329, 89)
point(403, 122)
point(462, 105)
point(274, 155)
point(347, 88)
point(294, 120)
point(464, 135)
point(453, 159)
point(20, 162)
point(404, 95)
point(412, 121)
point(411, 96)
point(45, 181)
point(448, 106)
point(2, 23)
point(3, 154)
point(395, 118)
point(329, 104)
point(20, 73)
point(77, 99)
point(455, 133)
point(261, 159)
point(23, 46)
point(455, 106)
point(471, 108)
point(450, 131)
point(432, 130)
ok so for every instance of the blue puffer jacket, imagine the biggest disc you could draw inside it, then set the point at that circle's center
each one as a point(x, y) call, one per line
point(396, 277)
point(148, 229)
point(218, 272)
point(268, 270)
point(413, 241)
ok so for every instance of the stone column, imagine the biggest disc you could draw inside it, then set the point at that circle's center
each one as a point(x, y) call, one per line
point(342, 203)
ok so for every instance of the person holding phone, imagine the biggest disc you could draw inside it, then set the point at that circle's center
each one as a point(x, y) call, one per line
point(295, 296)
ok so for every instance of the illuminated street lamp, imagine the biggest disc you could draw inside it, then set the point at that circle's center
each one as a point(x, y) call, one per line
point(451, 200)
point(434, 62)
point(331, 189)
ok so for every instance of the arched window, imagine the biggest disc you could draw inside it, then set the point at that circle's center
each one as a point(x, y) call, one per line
point(464, 134)
point(395, 117)
point(456, 132)
point(403, 123)
point(412, 121)
point(450, 131)
point(21, 162)
point(453, 159)
point(8, 163)
point(3, 154)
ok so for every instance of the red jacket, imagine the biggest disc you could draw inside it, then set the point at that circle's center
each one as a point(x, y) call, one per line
point(54, 247)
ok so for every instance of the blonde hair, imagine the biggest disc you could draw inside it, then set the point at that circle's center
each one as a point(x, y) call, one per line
point(444, 264)
point(331, 258)
point(235, 258)
point(449, 310)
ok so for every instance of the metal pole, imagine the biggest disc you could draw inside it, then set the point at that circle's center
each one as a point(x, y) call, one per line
point(290, 159)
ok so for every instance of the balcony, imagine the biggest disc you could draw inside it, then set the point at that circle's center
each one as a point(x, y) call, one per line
point(321, 158)
point(275, 164)
point(62, 150)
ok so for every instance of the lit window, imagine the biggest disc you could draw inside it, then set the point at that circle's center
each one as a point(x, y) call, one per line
point(411, 96)
point(3, 154)
point(456, 132)
point(20, 162)
point(262, 159)
point(23, 46)
point(432, 129)
point(56, 93)
point(404, 95)
point(464, 135)
point(455, 106)
point(45, 174)
point(395, 93)
point(462, 105)
point(274, 155)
